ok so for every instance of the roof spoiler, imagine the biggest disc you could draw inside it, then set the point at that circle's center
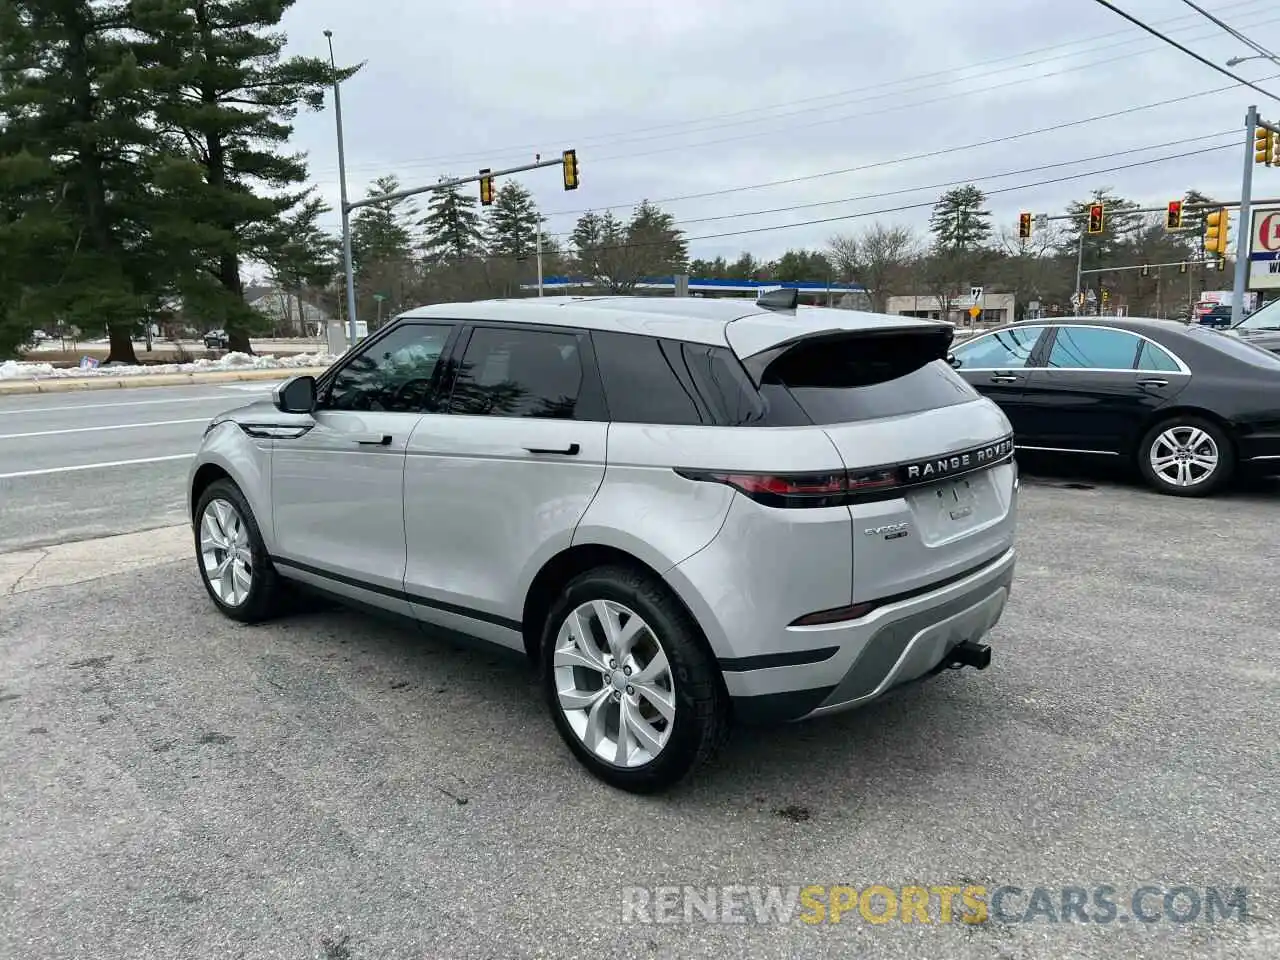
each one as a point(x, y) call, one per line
point(831, 354)
point(784, 298)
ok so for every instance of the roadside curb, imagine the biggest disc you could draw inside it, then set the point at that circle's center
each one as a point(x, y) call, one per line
point(66, 564)
point(109, 382)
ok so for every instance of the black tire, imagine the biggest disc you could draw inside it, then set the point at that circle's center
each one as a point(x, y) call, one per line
point(1203, 486)
point(702, 715)
point(267, 594)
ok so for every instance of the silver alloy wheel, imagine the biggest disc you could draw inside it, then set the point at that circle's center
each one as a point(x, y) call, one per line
point(225, 552)
point(1184, 456)
point(614, 683)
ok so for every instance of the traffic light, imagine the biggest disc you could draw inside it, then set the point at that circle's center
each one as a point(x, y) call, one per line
point(1146, 270)
point(1024, 226)
point(1182, 267)
point(1264, 146)
point(1222, 264)
point(1173, 219)
point(1096, 221)
point(486, 188)
point(1215, 235)
point(571, 170)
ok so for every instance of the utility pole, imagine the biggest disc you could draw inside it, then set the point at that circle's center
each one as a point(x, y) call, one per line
point(538, 245)
point(342, 193)
point(1079, 304)
point(1244, 228)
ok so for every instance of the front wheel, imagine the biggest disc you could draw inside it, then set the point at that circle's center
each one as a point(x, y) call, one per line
point(234, 564)
point(630, 682)
point(1186, 457)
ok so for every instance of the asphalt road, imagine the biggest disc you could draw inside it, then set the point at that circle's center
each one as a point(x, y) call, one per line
point(88, 464)
point(331, 786)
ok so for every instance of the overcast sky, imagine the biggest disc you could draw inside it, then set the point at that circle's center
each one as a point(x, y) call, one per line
point(665, 98)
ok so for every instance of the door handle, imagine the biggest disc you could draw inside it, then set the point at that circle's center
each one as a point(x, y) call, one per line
point(1003, 378)
point(570, 451)
point(380, 440)
point(1153, 382)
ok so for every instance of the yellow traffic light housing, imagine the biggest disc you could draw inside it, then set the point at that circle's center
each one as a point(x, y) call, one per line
point(1264, 146)
point(486, 188)
point(1173, 219)
point(1217, 224)
point(1096, 218)
point(571, 170)
point(1024, 226)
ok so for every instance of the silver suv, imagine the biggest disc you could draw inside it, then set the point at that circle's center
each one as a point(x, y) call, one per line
point(683, 511)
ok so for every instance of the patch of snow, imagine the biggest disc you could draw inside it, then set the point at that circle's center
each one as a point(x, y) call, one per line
point(22, 370)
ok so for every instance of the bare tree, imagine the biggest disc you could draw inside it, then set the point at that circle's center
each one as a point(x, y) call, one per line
point(880, 258)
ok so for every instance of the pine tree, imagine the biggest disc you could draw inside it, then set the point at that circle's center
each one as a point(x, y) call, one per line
point(73, 172)
point(452, 226)
point(658, 244)
point(513, 222)
point(382, 247)
point(226, 98)
point(960, 222)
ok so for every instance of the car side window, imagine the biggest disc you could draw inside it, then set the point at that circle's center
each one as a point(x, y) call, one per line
point(1151, 357)
point(395, 374)
point(519, 373)
point(641, 382)
point(998, 351)
point(1093, 348)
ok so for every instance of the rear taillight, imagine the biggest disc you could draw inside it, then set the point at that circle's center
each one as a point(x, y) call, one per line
point(799, 489)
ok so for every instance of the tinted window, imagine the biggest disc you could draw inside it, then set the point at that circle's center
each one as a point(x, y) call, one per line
point(1093, 348)
point(394, 374)
point(998, 351)
point(518, 373)
point(1152, 357)
point(725, 389)
point(641, 383)
point(925, 388)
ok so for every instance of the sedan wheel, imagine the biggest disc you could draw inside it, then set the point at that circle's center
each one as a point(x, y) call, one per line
point(614, 683)
point(1186, 457)
point(225, 552)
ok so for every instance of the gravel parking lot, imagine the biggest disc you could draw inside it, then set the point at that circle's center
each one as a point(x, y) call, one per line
point(331, 786)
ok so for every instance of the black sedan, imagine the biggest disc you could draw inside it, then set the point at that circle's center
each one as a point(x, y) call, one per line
point(1188, 405)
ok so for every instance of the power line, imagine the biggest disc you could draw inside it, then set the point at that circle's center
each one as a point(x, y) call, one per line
point(901, 208)
point(756, 118)
point(1187, 50)
point(927, 154)
point(1252, 44)
point(960, 182)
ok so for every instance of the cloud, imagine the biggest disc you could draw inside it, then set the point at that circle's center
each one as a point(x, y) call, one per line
point(663, 99)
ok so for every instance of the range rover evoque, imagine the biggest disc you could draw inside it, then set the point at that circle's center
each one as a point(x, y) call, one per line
point(685, 512)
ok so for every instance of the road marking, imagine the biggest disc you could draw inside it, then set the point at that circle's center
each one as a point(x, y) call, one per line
point(127, 403)
point(105, 426)
point(93, 466)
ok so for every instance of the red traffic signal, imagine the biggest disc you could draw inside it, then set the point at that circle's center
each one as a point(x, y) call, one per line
point(1024, 225)
point(1096, 218)
point(1173, 220)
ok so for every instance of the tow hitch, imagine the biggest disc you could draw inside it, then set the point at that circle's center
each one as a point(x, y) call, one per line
point(968, 654)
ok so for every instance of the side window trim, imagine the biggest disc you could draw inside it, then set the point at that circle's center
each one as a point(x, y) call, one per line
point(325, 380)
point(1183, 369)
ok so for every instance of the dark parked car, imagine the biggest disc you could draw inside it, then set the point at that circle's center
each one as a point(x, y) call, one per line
point(1187, 404)
point(1261, 328)
point(216, 340)
point(1219, 316)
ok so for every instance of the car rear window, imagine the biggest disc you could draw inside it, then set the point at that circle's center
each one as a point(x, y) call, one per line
point(865, 378)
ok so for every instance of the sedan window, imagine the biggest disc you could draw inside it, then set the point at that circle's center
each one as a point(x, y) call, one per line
point(1093, 348)
point(395, 374)
point(1156, 358)
point(998, 351)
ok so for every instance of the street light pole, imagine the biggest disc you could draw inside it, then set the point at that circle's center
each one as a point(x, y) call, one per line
point(348, 270)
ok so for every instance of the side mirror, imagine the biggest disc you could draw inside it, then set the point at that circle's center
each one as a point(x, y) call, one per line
point(296, 395)
point(953, 360)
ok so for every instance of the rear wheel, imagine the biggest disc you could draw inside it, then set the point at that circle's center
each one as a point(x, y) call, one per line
point(234, 565)
point(1186, 457)
point(629, 680)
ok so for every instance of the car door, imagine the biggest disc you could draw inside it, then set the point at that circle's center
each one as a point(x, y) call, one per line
point(996, 364)
point(496, 486)
point(1097, 388)
point(337, 491)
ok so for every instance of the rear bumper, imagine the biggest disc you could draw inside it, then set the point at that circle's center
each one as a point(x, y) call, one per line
point(863, 659)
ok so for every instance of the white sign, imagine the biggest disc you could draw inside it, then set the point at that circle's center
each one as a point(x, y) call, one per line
point(1264, 250)
point(975, 295)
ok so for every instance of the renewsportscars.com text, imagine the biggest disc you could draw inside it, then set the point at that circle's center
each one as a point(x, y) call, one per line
point(934, 904)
